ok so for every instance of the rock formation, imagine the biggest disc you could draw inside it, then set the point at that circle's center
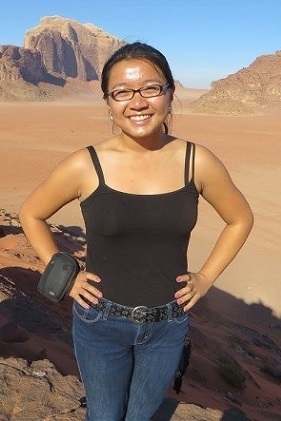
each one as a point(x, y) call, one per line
point(258, 85)
point(18, 63)
point(71, 49)
point(62, 57)
point(235, 369)
point(59, 53)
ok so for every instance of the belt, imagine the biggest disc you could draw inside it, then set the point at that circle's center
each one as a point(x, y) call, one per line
point(140, 314)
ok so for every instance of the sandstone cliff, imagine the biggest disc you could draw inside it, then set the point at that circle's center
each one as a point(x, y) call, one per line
point(17, 63)
point(71, 49)
point(60, 58)
point(256, 86)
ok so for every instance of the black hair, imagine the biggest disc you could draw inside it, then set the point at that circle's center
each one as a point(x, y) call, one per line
point(138, 51)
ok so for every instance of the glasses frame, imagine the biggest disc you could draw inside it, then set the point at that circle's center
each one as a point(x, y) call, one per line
point(163, 88)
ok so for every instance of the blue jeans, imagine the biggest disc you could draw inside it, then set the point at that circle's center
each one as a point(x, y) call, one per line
point(126, 367)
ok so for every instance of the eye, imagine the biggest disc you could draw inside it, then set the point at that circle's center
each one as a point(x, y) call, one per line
point(152, 90)
point(121, 94)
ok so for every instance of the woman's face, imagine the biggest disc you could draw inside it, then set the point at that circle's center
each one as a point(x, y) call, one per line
point(138, 117)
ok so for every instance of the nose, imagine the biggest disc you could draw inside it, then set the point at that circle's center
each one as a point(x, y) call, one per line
point(138, 102)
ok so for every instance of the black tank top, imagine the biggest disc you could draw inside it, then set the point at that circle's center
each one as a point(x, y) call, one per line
point(137, 244)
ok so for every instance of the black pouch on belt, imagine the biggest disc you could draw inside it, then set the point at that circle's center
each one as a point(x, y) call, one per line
point(184, 363)
point(58, 276)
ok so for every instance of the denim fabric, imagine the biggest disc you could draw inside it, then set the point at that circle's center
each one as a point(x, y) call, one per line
point(126, 367)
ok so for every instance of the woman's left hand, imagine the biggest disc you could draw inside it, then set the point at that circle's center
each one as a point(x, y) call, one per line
point(196, 287)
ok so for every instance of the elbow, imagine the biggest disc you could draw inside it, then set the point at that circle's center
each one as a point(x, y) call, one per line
point(248, 221)
point(23, 212)
point(25, 215)
point(251, 218)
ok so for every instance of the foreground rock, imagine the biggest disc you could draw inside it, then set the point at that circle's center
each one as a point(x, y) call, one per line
point(38, 392)
point(235, 370)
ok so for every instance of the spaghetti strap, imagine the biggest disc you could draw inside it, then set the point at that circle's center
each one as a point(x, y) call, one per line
point(96, 163)
point(189, 162)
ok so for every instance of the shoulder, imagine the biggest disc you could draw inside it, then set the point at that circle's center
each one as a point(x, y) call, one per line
point(206, 160)
point(209, 170)
point(76, 160)
point(202, 155)
point(72, 169)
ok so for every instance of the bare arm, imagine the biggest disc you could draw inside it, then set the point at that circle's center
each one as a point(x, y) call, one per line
point(61, 187)
point(218, 189)
point(64, 184)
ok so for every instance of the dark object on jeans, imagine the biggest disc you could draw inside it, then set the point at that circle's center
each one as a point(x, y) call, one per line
point(184, 363)
point(141, 314)
point(58, 276)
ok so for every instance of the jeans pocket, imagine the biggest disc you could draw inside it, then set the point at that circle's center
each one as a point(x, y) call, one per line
point(90, 315)
point(181, 319)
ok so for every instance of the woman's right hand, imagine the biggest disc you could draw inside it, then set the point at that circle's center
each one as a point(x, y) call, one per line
point(82, 289)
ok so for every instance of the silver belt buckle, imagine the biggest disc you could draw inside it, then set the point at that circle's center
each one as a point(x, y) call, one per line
point(136, 311)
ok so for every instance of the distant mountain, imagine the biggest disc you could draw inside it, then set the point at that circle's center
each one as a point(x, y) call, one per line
point(63, 58)
point(56, 53)
point(71, 49)
point(258, 85)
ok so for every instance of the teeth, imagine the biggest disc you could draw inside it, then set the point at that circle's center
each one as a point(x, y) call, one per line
point(139, 117)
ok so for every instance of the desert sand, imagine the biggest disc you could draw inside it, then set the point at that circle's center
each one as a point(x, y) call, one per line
point(34, 137)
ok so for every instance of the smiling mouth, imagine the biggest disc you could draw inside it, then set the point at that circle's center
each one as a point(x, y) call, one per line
point(140, 117)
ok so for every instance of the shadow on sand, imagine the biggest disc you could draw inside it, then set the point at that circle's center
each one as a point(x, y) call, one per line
point(29, 314)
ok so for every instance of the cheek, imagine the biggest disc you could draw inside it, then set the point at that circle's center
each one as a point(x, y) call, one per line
point(116, 109)
point(166, 107)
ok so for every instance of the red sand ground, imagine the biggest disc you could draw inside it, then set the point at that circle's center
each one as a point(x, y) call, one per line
point(35, 137)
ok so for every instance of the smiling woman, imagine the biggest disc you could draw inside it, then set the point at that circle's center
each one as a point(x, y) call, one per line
point(139, 99)
point(138, 192)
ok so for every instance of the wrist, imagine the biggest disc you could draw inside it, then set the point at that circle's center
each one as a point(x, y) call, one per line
point(206, 278)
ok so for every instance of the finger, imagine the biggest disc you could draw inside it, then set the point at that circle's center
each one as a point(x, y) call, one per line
point(90, 292)
point(189, 288)
point(91, 276)
point(183, 278)
point(82, 288)
point(191, 303)
point(85, 287)
point(82, 302)
point(185, 298)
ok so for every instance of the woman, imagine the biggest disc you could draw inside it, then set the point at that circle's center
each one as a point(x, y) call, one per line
point(138, 192)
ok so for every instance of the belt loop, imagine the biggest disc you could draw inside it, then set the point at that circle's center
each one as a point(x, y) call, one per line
point(106, 311)
point(170, 311)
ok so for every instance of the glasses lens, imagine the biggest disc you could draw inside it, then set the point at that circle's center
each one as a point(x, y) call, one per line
point(151, 91)
point(122, 95)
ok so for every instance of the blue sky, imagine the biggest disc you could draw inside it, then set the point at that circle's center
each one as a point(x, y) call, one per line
point(203, 40)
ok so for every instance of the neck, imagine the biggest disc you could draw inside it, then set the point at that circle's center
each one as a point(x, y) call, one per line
point(152, 143)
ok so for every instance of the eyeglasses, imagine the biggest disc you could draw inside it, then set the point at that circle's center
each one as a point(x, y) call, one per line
point(146, 92)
